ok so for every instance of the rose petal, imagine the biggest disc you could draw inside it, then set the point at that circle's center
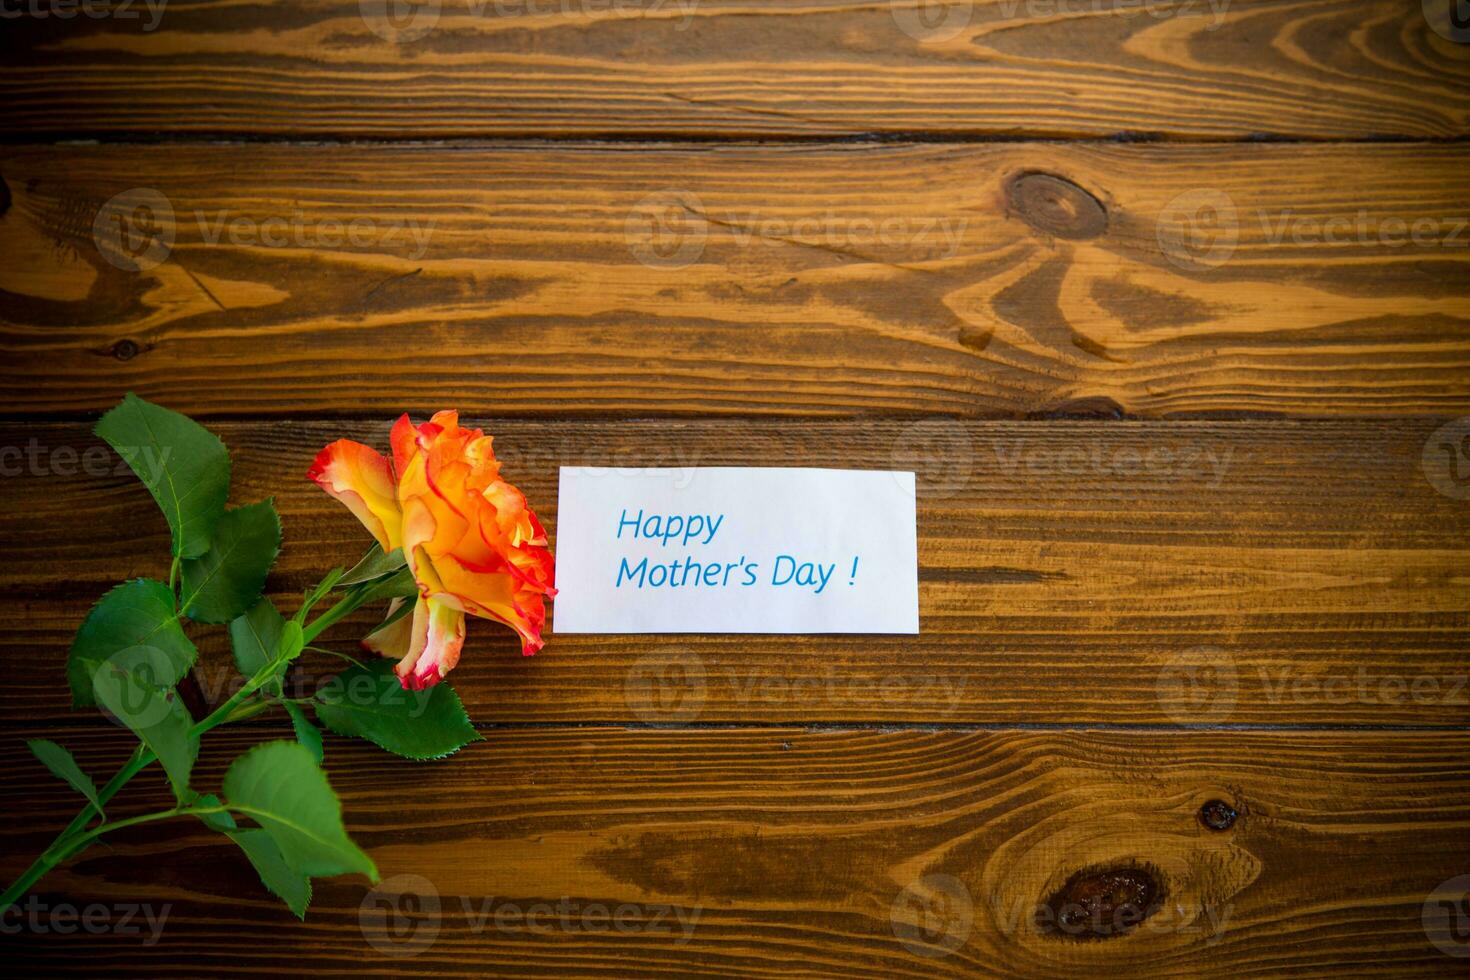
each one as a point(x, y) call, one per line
point(497, 594)
point(360, 478)
point(401, 438)
point(394, 639)
point(438, 637)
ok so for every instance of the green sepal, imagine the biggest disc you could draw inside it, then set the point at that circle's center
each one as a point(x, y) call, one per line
point(394, 615)
point(374, 565)
point(317, 593)
point(399, 585)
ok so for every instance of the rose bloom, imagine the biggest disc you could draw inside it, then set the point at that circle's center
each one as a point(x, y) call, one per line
point(470, 540)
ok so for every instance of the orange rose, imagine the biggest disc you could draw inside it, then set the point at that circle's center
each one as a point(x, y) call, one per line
point(470, 540)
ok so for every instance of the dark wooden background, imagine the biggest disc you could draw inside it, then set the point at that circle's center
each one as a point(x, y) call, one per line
point(1190, 532)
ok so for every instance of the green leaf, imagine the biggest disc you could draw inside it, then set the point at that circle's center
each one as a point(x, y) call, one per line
point(221, 821)
point(370, 703)
point(281, 787)
point(63, 766)
point(264, 855)
point(374, 565)
point(255, 637)
point(306, 733)
point(156, 715)
point(181, 463)
point(227, 580)
point(262, 637)
point(292, 888)
point(136, 613)
point(291, 643)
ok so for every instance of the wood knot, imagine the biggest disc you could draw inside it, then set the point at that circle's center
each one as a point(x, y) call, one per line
point(125, 350)
point(1217, 815)
point(1100, 903)
point(1055, 206)
point(1089, 407)
point(976, 338)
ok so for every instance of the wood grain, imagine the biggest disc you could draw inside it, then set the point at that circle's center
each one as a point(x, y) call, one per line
point(1192, 69)
point(997, 280)
point(1193, 532)
point(791, 852)
point(1070, 572)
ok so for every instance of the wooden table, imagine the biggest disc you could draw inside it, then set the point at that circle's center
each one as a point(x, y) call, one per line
point(1167, 304)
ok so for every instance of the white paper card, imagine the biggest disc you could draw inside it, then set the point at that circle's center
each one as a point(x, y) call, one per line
point(735, 550)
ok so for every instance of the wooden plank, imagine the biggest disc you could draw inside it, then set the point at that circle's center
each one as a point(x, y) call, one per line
point(1196, 69)
point(755, 853)
point(823, 281)
point(1076, 572)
